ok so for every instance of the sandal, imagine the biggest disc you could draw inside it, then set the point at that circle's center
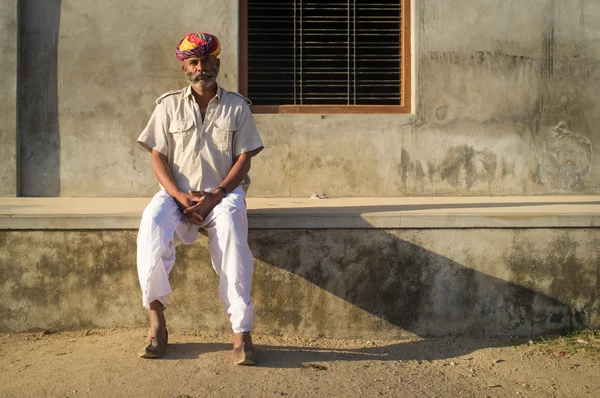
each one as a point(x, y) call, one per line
point(155, 347)
point(243, 355)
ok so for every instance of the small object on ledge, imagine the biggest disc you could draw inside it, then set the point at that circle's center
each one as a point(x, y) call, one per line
point(315, 196)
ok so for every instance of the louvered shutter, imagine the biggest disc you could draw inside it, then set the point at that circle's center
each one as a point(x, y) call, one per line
point(324, 52)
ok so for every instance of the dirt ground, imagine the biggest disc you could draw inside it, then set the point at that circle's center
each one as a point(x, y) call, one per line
point(104, 363)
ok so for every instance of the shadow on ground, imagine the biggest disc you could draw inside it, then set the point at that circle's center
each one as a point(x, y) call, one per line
point(274, 356)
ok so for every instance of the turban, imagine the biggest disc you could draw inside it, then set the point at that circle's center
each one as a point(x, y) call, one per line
point(196, 45)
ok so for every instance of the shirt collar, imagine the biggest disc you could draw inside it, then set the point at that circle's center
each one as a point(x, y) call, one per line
point(188, 92)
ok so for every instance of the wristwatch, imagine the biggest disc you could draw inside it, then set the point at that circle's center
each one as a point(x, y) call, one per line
point(222, 189)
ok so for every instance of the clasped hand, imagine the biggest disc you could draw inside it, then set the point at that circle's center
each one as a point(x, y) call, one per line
point(196, 205)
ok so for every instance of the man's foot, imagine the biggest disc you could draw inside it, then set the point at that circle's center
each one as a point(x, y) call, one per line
point(243, 349)
point(158, 336)
point(155, 346)
point(243, 355)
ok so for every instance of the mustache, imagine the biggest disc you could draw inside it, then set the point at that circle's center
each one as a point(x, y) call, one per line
point(194, 77)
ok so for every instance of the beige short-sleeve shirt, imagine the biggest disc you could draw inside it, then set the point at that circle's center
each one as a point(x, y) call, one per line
point(201, 153)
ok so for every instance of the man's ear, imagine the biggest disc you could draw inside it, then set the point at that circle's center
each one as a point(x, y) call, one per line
point(183, 66)
point(218, 62)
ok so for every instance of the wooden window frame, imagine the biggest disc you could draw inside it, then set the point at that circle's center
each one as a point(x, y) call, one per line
point(403, 108)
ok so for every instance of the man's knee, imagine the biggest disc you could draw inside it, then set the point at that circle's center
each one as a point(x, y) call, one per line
point(159, 212)
point(232, 221)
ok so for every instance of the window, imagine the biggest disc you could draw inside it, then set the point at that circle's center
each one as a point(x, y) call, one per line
point(317, 56)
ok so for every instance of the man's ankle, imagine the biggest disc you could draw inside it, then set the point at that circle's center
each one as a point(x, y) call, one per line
point(242, 338)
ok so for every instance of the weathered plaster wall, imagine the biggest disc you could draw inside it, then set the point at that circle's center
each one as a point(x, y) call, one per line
point(506, 94)
point(8, 99)
point(334, 283)
point(108, 63)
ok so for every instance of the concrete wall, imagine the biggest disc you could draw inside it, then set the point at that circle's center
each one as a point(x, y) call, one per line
point(506, 95)
point(103, 65)
point(505, 92)
point(334, 283)
point(8, 99)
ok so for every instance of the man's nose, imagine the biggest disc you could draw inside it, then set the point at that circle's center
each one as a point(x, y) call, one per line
point(201, 66)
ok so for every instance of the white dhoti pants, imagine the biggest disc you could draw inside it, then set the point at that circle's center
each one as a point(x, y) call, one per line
point(164, 227)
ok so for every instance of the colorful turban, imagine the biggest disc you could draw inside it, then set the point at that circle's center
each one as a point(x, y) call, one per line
point(196, 45)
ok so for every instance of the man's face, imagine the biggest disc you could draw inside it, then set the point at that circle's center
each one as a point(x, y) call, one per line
point(201, 72)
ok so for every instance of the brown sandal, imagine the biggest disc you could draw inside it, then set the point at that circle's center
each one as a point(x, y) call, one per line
point(243, 355)
point(155, 347)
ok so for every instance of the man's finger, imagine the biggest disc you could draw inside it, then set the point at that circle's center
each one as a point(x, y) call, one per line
point(192, 221)
point(196, 217)
point(197, 193)
point(193, 208)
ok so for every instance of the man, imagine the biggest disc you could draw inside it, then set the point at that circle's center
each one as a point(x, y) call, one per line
point(202, 139)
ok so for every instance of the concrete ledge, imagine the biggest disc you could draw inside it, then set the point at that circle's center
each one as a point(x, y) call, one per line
point(340, 268)
point(291, 213)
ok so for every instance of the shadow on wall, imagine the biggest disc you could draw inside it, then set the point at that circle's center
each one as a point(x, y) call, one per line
point(39, 165)
point(342, 283)
point(396, 287)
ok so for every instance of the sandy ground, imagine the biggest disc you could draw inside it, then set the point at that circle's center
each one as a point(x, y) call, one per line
point(103, 363)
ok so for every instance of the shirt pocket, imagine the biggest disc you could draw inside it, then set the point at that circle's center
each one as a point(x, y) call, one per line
point(222, 135)
point(182, 130)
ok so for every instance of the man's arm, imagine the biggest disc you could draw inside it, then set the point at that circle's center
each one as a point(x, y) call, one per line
point(209, 200)
point(238, 172)
point(162, 171)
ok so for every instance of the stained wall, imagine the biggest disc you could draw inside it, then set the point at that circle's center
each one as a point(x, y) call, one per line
point(505, 95)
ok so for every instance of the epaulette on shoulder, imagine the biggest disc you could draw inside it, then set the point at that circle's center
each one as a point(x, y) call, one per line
point(172, 92)
point(241, 96)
